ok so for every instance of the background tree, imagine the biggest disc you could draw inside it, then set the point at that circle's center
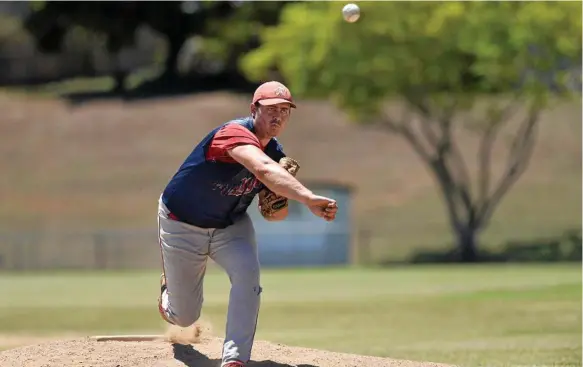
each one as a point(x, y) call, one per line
point(455, 64)
point(229, 26)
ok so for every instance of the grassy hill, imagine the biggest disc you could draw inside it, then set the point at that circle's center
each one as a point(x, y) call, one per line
point(103, 165)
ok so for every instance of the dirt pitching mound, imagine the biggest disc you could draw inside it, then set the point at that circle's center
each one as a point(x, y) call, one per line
point(163, 353)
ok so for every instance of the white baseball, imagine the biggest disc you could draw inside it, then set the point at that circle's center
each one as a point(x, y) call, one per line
point(351, 13)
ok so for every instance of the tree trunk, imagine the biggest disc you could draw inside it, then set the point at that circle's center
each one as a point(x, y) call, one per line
point(466, 242)
point(175, 42)
point(120, 81)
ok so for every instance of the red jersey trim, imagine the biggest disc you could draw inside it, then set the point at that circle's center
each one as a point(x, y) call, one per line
point(227, 138)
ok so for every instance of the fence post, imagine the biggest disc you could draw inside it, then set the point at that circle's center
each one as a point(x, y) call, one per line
point(364, 247)
point(99, 251)
point(18, 246)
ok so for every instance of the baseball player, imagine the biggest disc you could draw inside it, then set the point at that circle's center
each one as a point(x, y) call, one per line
point(202, 213)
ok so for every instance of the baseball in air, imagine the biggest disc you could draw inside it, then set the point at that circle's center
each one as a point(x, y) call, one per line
point(351, 13)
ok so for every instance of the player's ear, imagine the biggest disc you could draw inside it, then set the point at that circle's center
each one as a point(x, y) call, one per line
point(253, 110)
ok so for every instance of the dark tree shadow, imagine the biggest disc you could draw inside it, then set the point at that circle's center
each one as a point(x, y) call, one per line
point(166, 87)
point(565, 247)
point(193, 358)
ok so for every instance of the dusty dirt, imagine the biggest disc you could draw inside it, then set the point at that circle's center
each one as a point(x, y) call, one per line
point(179, 348)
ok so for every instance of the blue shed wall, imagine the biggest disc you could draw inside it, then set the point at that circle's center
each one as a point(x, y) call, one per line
point(304, 239)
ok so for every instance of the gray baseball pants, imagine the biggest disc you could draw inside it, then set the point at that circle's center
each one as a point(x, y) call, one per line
point(185, 250)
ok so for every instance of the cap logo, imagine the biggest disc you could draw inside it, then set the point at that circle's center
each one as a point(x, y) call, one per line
point(279, 91)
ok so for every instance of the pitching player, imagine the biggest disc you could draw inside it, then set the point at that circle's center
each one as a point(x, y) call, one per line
point(202, 213)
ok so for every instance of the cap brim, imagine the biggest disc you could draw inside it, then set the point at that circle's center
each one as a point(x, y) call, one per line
point(272, 101)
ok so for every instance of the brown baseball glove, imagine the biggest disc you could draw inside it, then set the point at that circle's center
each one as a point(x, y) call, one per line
point(270, 202)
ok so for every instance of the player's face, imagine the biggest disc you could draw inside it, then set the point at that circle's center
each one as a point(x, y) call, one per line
point(271, 120)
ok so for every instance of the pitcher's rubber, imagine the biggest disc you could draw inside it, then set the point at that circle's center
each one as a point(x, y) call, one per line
point(126, 338)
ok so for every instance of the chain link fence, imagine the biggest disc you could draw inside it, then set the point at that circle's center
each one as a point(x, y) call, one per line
point(106, 249)
point(139, 249)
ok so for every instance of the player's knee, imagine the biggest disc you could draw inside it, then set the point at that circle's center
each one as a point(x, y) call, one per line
point(186, 319)
point(188, 313)
point(183, 322)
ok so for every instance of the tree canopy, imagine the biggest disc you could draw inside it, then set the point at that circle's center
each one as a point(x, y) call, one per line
point(228, 28)
point(397, 47)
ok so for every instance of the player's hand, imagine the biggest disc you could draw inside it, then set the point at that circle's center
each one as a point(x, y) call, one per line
point(323, 207)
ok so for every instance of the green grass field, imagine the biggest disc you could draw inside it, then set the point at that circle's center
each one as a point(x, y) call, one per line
point(471, 316)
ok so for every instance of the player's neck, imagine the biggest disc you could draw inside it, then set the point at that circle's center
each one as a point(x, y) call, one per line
point(263, 140)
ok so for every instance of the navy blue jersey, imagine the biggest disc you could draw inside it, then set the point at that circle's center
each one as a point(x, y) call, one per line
point(213, 192)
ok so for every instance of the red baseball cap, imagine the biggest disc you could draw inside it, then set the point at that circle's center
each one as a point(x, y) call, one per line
point(270, 93)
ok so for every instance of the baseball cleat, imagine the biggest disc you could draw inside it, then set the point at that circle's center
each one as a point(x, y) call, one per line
point(161, 309)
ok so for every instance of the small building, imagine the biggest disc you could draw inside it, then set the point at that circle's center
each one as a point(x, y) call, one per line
point(304, 239)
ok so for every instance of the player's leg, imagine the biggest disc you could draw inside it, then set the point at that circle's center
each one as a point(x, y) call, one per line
point(235, 250)
point(184, 251)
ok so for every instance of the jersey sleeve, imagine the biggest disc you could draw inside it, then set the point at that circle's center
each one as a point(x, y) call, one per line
point(227, 138)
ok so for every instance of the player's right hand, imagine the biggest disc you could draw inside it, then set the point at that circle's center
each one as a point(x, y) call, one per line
point(323, 207)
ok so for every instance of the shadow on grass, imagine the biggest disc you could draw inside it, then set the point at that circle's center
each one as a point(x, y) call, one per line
point(193, 358)
point(563, 248)
point(165, 86)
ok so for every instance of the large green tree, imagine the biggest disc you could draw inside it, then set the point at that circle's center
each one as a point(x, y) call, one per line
point(473, 65)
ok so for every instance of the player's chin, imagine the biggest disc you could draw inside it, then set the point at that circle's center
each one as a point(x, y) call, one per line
point(274, 129)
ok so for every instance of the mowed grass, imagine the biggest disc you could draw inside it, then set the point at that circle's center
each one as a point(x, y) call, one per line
point(494, 315)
